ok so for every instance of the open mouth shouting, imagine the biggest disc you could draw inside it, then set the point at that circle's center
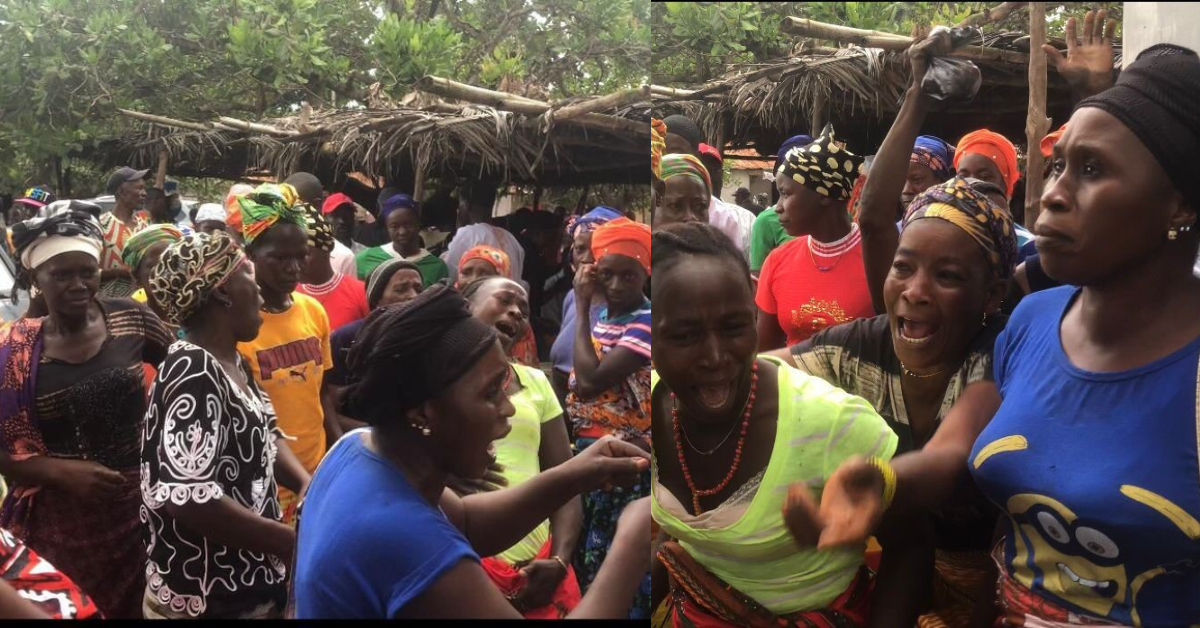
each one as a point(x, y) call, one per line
point(915, 333)
point(507, 329)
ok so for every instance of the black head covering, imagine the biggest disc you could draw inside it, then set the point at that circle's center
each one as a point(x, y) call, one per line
point(685, 128)
point(1156, 97)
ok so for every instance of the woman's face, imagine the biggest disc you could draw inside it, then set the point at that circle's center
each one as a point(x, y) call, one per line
point(936, 294)
point(979, 167)
point(920, 178)
point(280, 256)
point(245, 313)
point(684, 199)
point(404, 228)
point(581, 250)
point(210, 226)
point(470, 415)
point(1105, 188)
point(503, 304)
point(404, 286)
point(69, 283)
point(623, 280)
point(475, 270)
point(704, 321)
point(798, 206)
point(142, 273)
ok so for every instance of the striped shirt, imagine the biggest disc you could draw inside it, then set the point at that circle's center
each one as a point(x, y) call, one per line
point(631, 331)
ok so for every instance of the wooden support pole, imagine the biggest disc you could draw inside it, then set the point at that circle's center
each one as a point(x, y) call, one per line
point(888, 41)
point(818, 116)
point(160, 177)
point(145, 117)
point(1037, 124)
point(603, 103)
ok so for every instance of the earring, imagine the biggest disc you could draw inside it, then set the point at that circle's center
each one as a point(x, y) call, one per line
point(424, 429)
point(1172, 233)
point(985, 319)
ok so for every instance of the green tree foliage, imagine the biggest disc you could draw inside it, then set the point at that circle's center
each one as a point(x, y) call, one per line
point(68, 64)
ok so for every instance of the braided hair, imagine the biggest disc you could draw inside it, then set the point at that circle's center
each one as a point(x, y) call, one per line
point(672, 243)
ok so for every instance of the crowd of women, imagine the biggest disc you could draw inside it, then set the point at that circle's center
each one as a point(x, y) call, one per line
point(268, 424)
point(856, 424)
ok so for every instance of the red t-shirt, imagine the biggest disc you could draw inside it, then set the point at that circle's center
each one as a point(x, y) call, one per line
point(807, 299)
point(343, 297)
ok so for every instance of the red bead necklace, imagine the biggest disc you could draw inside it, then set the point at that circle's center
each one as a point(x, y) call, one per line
point(737, 453)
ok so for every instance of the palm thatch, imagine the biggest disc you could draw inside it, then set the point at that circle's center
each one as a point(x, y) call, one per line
point(425, 135)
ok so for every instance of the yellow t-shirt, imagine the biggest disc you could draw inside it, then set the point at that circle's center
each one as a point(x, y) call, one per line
point(536, 404)
point(289, 359)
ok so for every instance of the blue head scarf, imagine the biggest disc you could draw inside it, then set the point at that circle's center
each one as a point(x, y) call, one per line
point(396, 202)
point(935, 154)
point(792, 142)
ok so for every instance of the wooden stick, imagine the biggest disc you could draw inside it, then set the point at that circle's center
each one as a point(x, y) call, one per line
point(1036, 124)
point(195, 126)
point(994, 14)
point(255, 127)
point(603, 103)
point(160, 177)
point(888, 41)
point(670, 92)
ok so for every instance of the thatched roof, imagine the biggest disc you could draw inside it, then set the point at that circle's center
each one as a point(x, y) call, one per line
point(859, 89)
point(425, 135)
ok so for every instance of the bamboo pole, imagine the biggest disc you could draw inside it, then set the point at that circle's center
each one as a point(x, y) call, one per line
point(254, 127)
point(1037, 124)
point(160, 177)
point(195, 126)
point(670, 92)
point(994, 14)
point(888, 41)
point(603, 103)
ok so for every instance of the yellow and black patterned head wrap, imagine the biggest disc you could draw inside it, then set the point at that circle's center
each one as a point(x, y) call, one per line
point(824, 166)
point(190, 270)
point(320, 232)
point(988, 224)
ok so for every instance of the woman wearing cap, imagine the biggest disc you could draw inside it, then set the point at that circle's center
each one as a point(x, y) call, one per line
point(344, 297)
point(393, 474)
point(209, 218)
point(71, 406)
point(1081, 377)
point(817, 280)
point(403, 221)
point(687, 190)
point(217, 548)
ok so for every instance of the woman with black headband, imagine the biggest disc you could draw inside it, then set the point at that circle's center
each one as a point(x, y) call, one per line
point(71, 406)
point(1092, 451)
point(411, 549)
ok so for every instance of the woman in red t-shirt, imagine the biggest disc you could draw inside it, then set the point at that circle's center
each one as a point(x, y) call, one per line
point(344, 297)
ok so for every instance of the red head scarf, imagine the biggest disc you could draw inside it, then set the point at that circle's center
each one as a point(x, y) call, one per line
point(995, 147)
point(1050, 140)
point(495, 257)
point(623, 237)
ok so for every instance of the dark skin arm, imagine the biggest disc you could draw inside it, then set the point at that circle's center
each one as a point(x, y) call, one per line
point(288, 471)
point(905, 572)
point(229, 523)
point(13, 606)
point(333, 429)
point(84, 479)
point(770, 335)
point(346, 423)
point(593, 376)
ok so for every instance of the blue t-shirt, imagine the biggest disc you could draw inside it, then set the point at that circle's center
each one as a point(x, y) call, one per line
point(1097, 473)
point(368, 542)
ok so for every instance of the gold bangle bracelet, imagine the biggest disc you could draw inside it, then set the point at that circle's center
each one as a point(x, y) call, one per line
point(560, 561)
point(889, 479)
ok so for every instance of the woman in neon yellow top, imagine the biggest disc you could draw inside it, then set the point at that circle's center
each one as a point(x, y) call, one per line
point(731, 433)
point(535, 573)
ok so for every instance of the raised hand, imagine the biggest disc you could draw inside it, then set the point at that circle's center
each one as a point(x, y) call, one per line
point(609, 462)
point(851, 507)
point(1088, 65)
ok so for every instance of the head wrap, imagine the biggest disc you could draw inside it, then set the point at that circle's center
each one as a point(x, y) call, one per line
point(1155, 97)
point(190, 270)
point(234, 211)
point(380, 277)
point(990, 226)
point(493, 256)
point(1048, 142)
point(677, 165)
point(623, 237)
point(320, 232)
point(935, 154)
point(266, 205)
point(711, 151)
point(139, 243)
point(210, 211)
point(685, 128)
point(427, 343)
point(40, 239)
point(788, 144)
point(995, 147)
point(824, 166)
point(395, 202)
point(590, 221)
point(658, 143)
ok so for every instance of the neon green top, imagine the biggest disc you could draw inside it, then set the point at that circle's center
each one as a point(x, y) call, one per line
point(536, 404)
point(819, 426)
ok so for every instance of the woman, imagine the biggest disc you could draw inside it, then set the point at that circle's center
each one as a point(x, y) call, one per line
point(210, 218)
point(393, 477)
point(815, 281)
point(403, 220)
point(767, 234)
point(1078, 380)
point(343, 296)
point(141, 253)
point(687, 190)
point(71, 407)
point(217, 548)
point(484, 261)
point(534, 574)
point(719, 496)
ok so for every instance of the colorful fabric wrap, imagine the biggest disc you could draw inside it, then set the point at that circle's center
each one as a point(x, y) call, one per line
point(37, 240)
point(824, 166)
point(190, 270)
point(591, 221)
point(320, 232)
point(658, 144)
point(795, 141)
point(991, 227)
point(995, 147)
point(268, 204)
point(1048, 142)
point(493, 256)
point(935, 154)
point(678, 165)
point(623, 237)
point(139, 243)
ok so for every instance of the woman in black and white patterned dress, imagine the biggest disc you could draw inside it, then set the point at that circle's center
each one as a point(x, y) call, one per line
point(211, 451)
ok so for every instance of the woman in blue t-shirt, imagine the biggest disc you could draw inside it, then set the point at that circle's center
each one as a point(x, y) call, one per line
point(1092, 451)
point(379, 535)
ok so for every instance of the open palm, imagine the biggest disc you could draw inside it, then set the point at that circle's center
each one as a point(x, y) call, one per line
point(851, 506)
point(1088, 65)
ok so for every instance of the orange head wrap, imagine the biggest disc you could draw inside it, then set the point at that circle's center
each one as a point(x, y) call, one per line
point(493, 256)
point(1050, 140)
point(995, 147)
point(623, 237)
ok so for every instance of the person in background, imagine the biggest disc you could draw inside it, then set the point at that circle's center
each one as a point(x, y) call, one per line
point(128, 186)
point(217, 548)
point(562, 353)
point(158, 207)
point(762, 200)
point(482, 262)
point(343, 296)
point(817, 280)
point(743, 199)
point(684, 137)
point(686, 191)
point(71, 407)
point(610, 386)
point(535, 574)
point(474, 212)
point(233, 211)
point(402, 218)
point(141, 254)
point(344, 214)
point(291, 353)
point(767, 234)
point(309, 187)
point(711, 158)
point(30, 203)
point(209, 218)
point(371, 233)
point(412, 548)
